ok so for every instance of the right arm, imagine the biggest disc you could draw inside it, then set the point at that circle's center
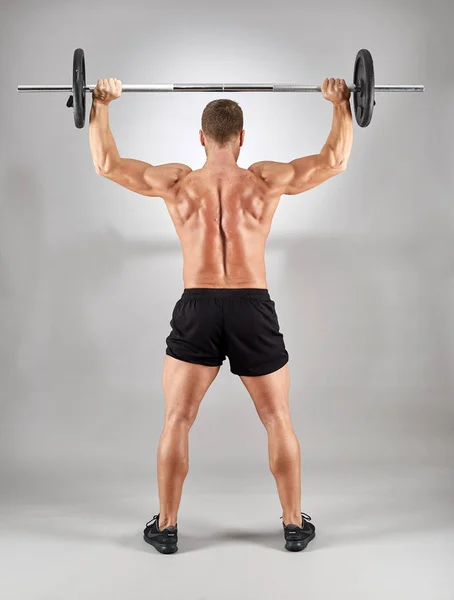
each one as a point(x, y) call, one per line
point(307, 172)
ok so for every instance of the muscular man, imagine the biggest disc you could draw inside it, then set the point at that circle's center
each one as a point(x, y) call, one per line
point(222, 215)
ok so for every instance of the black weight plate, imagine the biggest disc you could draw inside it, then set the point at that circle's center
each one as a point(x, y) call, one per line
point(79, 88)
point(364, 80)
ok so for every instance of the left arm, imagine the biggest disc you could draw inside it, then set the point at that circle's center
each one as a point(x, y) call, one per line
point(134, 175)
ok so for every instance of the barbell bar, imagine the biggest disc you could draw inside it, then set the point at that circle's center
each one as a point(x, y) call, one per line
point(363, 89)
point(215, 87)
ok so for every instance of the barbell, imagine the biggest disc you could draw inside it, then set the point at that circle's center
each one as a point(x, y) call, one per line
point(363, 88)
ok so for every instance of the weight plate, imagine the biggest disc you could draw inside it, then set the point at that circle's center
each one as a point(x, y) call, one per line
point(364, 80)
point(79, 88)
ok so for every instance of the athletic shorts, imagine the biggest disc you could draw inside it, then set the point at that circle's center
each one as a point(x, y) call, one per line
point(209, 324)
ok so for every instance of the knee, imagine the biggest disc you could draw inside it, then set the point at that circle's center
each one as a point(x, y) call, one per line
point(180, 418)
point(277, 417)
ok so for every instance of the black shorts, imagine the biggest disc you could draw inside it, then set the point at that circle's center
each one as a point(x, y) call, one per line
point(209, 324)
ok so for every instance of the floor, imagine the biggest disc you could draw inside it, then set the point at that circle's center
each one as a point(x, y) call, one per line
point(377, 537)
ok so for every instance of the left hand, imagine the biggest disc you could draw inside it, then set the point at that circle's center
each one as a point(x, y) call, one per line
point(107, 90)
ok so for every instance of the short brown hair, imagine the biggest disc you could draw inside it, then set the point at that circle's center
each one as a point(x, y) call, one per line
point(222, 120)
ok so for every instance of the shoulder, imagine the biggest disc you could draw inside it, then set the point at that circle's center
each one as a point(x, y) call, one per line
point(274, 174)
point(167, 175)
point(257, 168)
point(178, 169)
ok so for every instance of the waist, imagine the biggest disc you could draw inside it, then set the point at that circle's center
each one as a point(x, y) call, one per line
point(258, 293)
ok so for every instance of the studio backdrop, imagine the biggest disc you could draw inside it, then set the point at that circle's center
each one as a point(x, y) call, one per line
point(361, 268)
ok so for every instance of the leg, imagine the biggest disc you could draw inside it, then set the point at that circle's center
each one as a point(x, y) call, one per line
point(185, 385)
point(270, 396)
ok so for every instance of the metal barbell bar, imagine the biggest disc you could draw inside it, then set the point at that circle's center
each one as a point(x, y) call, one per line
point(363, 89)
point(216, 87)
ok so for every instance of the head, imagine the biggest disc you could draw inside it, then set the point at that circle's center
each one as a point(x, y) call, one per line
point(222, 128)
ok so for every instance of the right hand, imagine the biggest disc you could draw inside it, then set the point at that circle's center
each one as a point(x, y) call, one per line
point(107, 90)
point(336, 91)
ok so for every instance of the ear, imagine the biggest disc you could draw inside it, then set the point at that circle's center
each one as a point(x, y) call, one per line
point(242, 134)
point(202, 138)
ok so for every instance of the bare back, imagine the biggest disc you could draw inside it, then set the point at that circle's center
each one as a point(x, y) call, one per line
point(222, 213)
point(222, 216)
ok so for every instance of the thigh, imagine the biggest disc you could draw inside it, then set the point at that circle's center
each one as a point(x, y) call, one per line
point(185, 385)
point(270, 393)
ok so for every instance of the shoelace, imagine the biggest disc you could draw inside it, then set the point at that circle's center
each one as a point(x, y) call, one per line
point(305, 518)
point(151, 521)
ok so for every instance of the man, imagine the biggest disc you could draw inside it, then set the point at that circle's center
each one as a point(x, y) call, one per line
point(222, 215)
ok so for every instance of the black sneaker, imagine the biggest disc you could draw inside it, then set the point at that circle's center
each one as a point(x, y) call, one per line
point(297, 537)
point(165, 540)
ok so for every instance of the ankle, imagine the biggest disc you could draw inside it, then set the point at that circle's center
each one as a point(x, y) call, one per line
point(293, 519)
point(165, 522)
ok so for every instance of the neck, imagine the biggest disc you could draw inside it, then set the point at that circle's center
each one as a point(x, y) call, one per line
point(220, 156)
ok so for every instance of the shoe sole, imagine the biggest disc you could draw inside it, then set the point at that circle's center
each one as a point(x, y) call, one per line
point(297, 546)
point(162, 548)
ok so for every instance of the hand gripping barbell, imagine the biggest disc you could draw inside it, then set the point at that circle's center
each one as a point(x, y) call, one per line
point(363, 88)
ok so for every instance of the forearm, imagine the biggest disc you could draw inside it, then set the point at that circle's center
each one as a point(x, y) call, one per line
point(102, 143)
point(338, 146)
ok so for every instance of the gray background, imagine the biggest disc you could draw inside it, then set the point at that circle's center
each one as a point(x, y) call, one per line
point(361, 270)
